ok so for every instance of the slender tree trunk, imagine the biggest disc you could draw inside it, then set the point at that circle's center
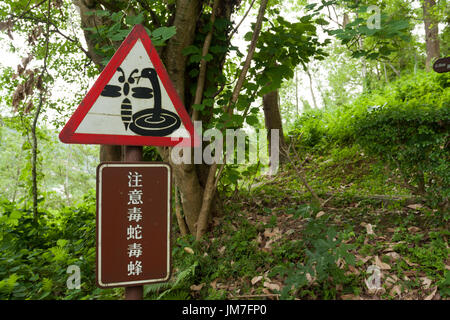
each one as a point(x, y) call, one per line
point(17, 180)
point(272, 118)
point(296, 92)
point(34, 147)
point(311, 88)
point(186, 178)
point(212, 179)
point(431, 32)
point(66, 178)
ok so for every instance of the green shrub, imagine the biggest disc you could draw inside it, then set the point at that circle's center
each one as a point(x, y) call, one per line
point(34, 257)
point(325, 250)
point(404, 125)
point(312, 128)
point(410, 133)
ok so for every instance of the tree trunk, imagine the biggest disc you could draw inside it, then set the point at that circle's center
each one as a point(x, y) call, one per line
point(296, 92)
point(431, 32)
point(185, 19)
point(311, 88)
point(186, 178)
point(272, 118)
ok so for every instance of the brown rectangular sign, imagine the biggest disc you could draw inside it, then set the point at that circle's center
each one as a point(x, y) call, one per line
point(133, 223)
point(442, 65)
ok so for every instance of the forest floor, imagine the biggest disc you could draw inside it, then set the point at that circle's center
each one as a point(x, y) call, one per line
point(371, 240)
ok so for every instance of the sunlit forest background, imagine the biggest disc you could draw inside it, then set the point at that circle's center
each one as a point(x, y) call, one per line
point(364, 175)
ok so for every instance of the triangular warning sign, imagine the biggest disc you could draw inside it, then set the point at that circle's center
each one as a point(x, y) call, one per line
point(133, 102)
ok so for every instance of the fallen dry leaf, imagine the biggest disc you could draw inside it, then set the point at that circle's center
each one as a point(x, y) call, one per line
point(319, 214)
point(426, 282)
point(382, 265)
point(266, 291)
point(369, 229)
point(430, 296)
point(394, 255)
point(375, 291)
point(268, 245)
point(256, 279)
point(310, 278)
point(410, 273)
point(391, 280)
point(271, 286)
point(189, 250)
point(340, 263)
point(274, 233)
point(289, 232)
point(396, 291)
point(214, 284)
point(197, 287)
point(413, 229)
point(353, 270)
point(365, 259)
point(415, 206)
point(411, 264)
point(259, 238)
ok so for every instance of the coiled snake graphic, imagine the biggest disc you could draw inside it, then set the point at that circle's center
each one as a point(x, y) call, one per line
point(154, 121)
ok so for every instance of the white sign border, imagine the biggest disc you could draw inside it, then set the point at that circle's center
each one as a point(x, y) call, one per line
point(99, 217)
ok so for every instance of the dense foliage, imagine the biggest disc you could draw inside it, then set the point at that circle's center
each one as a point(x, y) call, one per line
point(35, 257)
point(405, 125)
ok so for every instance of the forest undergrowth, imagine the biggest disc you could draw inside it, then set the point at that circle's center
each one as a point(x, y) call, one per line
point(273, 244)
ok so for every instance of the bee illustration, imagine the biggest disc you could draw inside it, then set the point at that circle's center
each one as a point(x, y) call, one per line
point(151, 121)
point(114, 91)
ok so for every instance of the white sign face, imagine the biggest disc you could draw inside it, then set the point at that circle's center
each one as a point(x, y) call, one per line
point(130, 92)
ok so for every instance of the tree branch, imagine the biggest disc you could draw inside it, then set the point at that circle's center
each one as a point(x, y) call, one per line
point(155, 19)
point(36, 19)
point(28, 10)
point(301, 174)
point(212, 179)
point(35, 120)
point(202, 73)
point(240, 22)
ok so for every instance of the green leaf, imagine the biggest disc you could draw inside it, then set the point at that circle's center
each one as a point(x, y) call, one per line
point(198, 107)
point(134, 20)
point(120, 35)
point(164, 33)
point(196, 58)
point(102, 13)
point(208, 57)
point(248, 36)
point(252, 120)
point(208, 102)
point(116, 16)
point(191, 50)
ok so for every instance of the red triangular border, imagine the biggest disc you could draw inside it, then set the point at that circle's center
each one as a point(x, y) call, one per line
point(68, 135)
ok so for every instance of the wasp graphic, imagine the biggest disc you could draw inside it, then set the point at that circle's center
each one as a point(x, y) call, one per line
point(154, 121)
